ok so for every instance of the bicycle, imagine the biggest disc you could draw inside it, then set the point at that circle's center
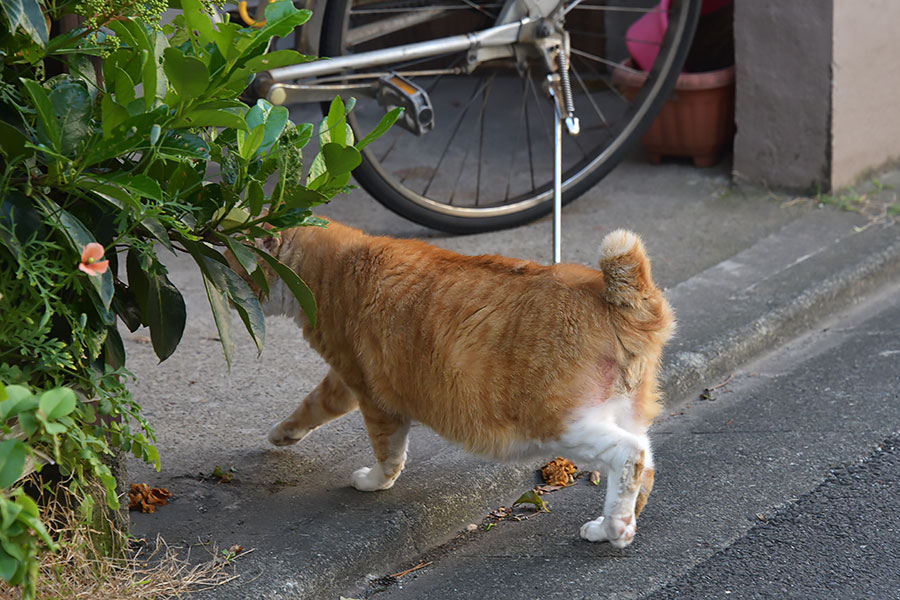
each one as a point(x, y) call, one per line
point(459, 67)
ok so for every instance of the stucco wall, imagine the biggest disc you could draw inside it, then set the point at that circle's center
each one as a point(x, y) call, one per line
point(783, 96)
point(866, 95)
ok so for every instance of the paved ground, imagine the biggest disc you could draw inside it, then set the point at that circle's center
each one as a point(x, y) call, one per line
point(746, 271)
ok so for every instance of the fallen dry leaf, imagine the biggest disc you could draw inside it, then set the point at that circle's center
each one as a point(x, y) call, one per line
point(500, 513)
point(145, 499)
point(560, 471)
point(544, 489)
point(595, 477)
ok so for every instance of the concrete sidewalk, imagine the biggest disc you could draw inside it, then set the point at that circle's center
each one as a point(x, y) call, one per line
point(745, 271)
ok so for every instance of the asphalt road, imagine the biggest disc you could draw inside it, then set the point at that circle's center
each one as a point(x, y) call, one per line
point(784, 483)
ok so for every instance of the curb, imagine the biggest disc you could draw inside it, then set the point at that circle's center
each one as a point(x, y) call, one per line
point(715, 358)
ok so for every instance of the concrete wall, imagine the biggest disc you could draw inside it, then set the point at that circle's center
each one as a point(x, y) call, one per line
point(783, 96)
point(818, 91)
point(865, 105)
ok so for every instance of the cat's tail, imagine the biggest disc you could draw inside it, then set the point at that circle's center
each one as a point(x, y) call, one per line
point(626, 269)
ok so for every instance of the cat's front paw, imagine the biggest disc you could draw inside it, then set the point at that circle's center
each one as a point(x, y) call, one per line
point(370, 479)
point(617, 530)
point(279, 436)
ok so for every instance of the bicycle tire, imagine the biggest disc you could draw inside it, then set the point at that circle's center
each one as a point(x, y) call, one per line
point(393, 184)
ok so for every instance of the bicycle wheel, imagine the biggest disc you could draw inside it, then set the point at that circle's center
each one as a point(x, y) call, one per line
point(488, 163)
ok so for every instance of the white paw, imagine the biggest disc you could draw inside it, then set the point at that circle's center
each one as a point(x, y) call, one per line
point(617, 530)
point(370, 479)
point(281, 437)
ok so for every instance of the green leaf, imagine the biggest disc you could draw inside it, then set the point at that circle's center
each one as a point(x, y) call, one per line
point(274, 118)
point(12, 142)
point(28, 422)
point(157, 230)
point(57, 403)
point(282, 17)
point(188, 76)
point(336, 116)
point(248, 143)
point(82, 67)
point(47, 124)
point(55, 428)
point(20, 399)
point(9, 510)
point(12, 461)
point(212, 118)
point(138, 282)
point(18, 220)
point(531, 497)
point(334, 185)
point(183, 144)
point(297, 286)
point(303, 198)
point(247, 259)
point(214, 266)
point(165, 315)
point(318, 172)
point(126, 307)
point(122, 84)
point(112, 194)
point(144, 186)
point(222, 316)
point(242, 253)
point(200, 28)
point(8, 564)
point(115, 349)
point(28, 15)
point(340, 159)
point(113, 115)
point(256, 196)
point(277, 58)
point(128, 136)
point(150, 46)
point(386, 122)
point(73, 106)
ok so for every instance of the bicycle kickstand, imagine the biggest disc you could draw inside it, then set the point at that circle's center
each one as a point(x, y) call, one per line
point(564, 111)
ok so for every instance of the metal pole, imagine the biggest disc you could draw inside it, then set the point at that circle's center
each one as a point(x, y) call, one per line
point(557, 184)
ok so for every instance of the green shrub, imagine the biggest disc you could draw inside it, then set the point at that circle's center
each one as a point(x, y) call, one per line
point(120, 139)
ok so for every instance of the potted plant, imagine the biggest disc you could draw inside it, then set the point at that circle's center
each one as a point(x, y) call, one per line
point(698, 120)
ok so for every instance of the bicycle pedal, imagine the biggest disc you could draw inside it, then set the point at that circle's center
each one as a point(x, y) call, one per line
point(396, 91)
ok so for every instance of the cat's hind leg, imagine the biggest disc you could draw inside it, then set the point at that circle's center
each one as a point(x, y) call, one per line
point(389, 435)
point(327, 402)
point(626, 456)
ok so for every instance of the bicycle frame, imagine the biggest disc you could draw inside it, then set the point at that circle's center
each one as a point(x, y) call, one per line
point(519, 22)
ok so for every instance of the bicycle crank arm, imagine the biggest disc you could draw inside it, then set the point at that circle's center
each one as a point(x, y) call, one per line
point(502, 35)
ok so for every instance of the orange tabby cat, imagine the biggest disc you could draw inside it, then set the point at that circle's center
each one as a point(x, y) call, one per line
point(509, 358)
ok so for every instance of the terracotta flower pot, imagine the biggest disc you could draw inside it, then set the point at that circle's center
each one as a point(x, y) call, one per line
point(696, 121)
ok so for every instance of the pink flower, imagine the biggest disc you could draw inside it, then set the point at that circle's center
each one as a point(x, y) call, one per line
point(90, 260)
